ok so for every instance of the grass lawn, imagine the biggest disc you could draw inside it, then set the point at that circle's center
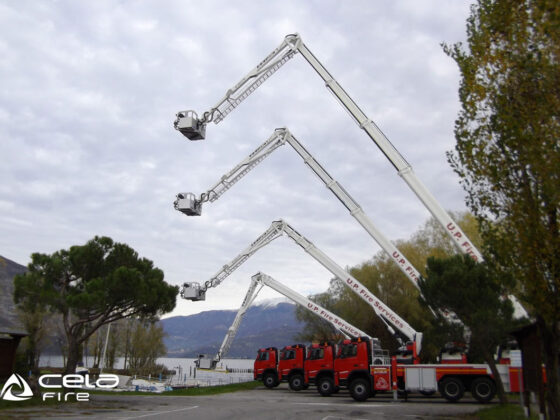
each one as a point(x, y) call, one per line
point(512, 411)
point(27, 403)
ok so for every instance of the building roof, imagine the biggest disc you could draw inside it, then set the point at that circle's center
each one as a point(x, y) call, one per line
point(9, 321)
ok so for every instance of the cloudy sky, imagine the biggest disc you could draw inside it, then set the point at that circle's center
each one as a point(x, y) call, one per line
point(87, 145)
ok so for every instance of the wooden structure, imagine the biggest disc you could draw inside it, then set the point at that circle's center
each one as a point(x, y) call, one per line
point(531, 355)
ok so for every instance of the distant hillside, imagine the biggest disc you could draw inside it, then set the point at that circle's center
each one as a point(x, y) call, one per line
point(9, 323)
point(263, 325)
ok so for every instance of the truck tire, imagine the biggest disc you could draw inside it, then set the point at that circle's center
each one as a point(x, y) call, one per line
point(360, 389)
point(483, 389)
point(452, 389)
point(325, 386)
point(296, 382)
point(270, 380)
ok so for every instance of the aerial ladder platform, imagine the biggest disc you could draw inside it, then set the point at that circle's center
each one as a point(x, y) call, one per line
point(258, 281)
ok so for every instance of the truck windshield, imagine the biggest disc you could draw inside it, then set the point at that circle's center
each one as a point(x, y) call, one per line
point(262, 355)
point(288, 354)
point(348, 350)
point(317, 354)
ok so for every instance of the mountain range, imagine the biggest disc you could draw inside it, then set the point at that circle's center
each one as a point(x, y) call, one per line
point(264, 325)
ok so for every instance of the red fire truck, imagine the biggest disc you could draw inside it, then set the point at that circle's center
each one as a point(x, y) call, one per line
point(289, 367)
point(356, 368)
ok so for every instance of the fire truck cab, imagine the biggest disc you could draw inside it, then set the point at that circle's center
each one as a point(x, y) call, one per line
point(319, 367)
point(291, 366)
point(265, 367)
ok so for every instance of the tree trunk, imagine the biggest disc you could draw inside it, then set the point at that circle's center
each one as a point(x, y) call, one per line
point(36, 360)
point(73, 355)
point(97, 351)
point(32, 356)
point(63, 351)
point(551, 344)
point(499, 385)
point(126, 343)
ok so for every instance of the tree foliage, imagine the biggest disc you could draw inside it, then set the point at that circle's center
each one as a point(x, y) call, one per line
point(38, 323)
point(460, 285)
point(146, 346)
point(92, 285)
point(508, 154)
point(109, 340)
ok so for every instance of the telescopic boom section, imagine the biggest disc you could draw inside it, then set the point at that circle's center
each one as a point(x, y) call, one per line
point(204, 361)
point(191, 126)
point(188, 204)
point(252, 293)
point(194, 128)
point(396, 325)
point(341, 325)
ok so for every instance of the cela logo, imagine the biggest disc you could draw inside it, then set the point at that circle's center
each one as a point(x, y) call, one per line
point(17, 381)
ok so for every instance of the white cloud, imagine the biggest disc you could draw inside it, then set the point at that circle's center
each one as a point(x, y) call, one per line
point(89, 94)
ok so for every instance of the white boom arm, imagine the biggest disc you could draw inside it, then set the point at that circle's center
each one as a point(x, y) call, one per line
point(203, 361)
point(252, 293)
point(189, 205)
point(344, 327)
point(192, 206)
point(396, 325)
point(261, 279)
point(187, 122)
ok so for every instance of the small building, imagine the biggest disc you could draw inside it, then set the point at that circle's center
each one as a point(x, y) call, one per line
point(11, 328)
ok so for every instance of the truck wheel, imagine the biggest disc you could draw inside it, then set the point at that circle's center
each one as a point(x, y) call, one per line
point(483, 389)
point(452, 389)
point(325, 386)
point(270, 380)
point(296, 382)
point(360, 389)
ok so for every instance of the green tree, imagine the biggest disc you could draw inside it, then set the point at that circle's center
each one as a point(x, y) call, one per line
point(114, 345)
point(94, 347)
point(507, 152)
point(467, 288)
point(146, 346)
point(38, 324)
point(126, 330)
point(92, 285)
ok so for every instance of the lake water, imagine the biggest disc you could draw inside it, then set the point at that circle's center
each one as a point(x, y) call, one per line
point(184, 369)
point(169, 362)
